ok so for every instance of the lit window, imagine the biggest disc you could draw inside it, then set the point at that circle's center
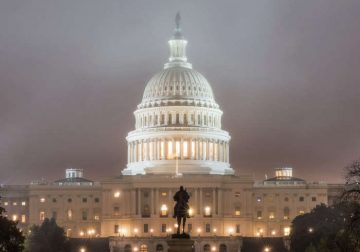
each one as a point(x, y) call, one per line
point(273, 232)
point(286, 213)
point(286, 231)
point(69, 214)
point(117, 194)
point(185, 149)
point(170, 150)
point(258, 199)
point(238, 228)
point(23, 203)
point(163, 194)
point(96, 217)
point(14, 203)
point(42, 215)
point(23, 218)
point(237, 211)
point(14, 217)
point(163, 211)
point(259, 215)
point(42, 200)
point(6, 203)
point(271, 215)
point(207, 211)
point(177, 149)
point(301, 212)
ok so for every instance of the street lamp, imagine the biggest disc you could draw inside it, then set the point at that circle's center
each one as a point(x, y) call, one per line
point(267, 249)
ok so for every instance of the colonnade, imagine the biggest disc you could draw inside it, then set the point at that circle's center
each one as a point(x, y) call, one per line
point(198, 118)
point(197, 201)
point(167, 149)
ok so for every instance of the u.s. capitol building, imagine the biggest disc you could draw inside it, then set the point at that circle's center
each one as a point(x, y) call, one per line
point(177, 140)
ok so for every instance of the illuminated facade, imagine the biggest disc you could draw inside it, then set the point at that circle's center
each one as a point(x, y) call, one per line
point(177, 140)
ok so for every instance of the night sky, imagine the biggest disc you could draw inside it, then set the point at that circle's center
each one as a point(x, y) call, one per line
point(286, 73)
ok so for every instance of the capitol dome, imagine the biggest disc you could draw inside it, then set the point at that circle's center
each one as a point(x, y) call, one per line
point(178, 85)
point(178, 122)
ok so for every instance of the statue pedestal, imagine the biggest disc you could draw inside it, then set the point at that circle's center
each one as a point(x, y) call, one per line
point(180, 245)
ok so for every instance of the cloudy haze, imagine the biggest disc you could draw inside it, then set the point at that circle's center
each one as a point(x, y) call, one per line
point(286, 73)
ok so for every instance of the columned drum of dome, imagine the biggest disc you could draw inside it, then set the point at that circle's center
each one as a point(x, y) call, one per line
point(178, 122)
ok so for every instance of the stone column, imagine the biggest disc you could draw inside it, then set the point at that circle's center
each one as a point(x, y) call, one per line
point(138, 190)
point(214, 210)
point(133, 202)
point(152, 210)
point(170, 205)
point(156, 207)
point(201, 202)
point(220, 212)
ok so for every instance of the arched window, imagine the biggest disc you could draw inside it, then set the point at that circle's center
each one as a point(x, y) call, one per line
point(206, 248)
point(127, 248)
point(159, 248)
point(143, 248)
point(222, 248)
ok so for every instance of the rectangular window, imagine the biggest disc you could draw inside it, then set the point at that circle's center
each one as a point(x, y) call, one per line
point(23, 203)
point(237, 228)
point(42, 215)
point(163, 228)
point(189, 227)
point(313, 199)
point(177, 149)
point(54, 200)
point(301, 199)
point(146, 228)
point(207, 228)
point(259, 215)
point(116, 210)
point(84, 215)
point(84, 200)
point(97, 200)
point(185, 149)
point(116, 229)
point(170, 150)
point(271, 215)
point(192, 149)
point(69, 214)
point(54, 215)
point(23, 218)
